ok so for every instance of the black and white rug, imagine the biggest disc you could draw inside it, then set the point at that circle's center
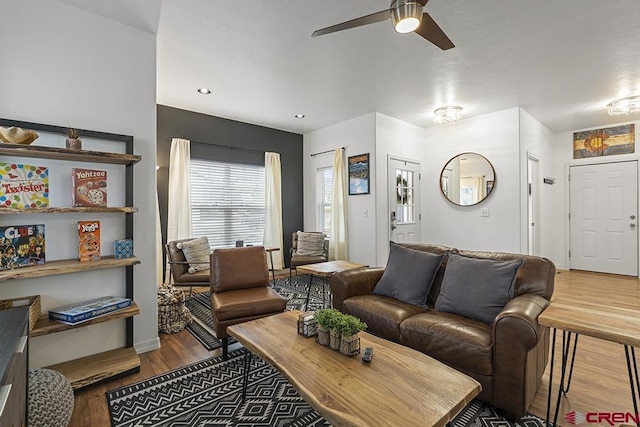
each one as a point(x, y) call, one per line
point(295, 293)
point(209, 393)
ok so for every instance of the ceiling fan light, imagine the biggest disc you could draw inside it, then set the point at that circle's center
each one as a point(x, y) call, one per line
point(406, 15)
point(629, 105)
point(448, 114)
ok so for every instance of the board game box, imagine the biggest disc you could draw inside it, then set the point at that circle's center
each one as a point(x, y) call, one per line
point(82, 311)
point(21, 246)
point(23, 186)
point(88, 240)
point(89, 187)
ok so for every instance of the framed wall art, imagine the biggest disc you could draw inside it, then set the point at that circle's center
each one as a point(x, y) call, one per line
point(604, 142)
point(359, 174)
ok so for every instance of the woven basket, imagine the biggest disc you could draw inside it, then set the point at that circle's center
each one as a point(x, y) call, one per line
point(32, 301)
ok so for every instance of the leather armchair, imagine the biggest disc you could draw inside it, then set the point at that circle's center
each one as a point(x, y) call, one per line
point(297, 260)
point(240, 289)
point(179, 268)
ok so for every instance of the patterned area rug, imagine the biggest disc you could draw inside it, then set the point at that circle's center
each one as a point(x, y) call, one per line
point(295, 293)
point(209, 393)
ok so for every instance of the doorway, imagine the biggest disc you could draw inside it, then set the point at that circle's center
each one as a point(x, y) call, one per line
point(404, 200)
point(603, 209)
point(533, 204)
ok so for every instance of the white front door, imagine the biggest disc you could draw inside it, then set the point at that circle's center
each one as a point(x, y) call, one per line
point(404, 200)
point(603, 216)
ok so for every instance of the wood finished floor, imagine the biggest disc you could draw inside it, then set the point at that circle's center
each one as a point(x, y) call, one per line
point(600, 382)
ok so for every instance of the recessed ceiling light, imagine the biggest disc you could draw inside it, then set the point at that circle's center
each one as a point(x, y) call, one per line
point(204, 91)
point(299, 116)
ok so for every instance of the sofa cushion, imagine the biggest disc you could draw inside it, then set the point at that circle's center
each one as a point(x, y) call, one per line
point(196, 252)
point(477, 288)
point(458, 341)
point(310, 244)
point(382, 315)
point(408, 275)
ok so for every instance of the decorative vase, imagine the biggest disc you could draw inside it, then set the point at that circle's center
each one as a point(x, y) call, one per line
point(350, 345)
point(334, 339)
point(323, 335)
point(74, 144)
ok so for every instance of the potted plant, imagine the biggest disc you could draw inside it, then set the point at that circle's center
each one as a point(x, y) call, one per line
point(349, 326)
point(325, 318)
point(73, 139)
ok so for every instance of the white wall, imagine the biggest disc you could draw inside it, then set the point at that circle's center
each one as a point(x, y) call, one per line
point(496, 137)
point(69, 67)
point(358, 136)
point(562, 155)
point(400, 140)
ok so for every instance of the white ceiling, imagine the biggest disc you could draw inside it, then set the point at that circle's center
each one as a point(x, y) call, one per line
point(562, 61)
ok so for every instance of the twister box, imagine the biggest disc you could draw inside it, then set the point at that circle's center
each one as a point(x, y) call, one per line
point(88, 240)
point(23, 186)
point(21, 246)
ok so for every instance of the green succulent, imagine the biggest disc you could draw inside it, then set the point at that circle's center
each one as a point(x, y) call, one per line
point(350, 325)
point(328, 317)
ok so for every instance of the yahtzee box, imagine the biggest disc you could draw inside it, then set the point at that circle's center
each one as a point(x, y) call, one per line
point(88, 240)
point(23, 186)
point(89, 187)
point(21, 246)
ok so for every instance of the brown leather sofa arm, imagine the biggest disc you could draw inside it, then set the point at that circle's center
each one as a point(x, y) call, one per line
point(521, 348)
point(354, 282)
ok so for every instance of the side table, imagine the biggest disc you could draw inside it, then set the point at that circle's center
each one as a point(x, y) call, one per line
point(325, 270)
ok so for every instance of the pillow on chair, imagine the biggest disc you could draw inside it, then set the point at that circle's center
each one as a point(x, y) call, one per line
point(310, 244)
point(196, 251)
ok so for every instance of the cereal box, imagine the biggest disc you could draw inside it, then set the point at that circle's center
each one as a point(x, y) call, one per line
point(21, 246)
point(23, 186)
point(88, 240)
point(89, 187)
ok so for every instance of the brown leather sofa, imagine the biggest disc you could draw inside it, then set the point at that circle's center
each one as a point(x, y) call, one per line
point(508, 358)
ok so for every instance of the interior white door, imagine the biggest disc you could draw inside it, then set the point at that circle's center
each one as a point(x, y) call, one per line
point(603, 217)
point(533, 205)
point(404, 200)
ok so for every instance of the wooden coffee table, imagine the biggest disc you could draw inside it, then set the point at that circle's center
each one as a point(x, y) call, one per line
point(325, 270)
point(400, 386)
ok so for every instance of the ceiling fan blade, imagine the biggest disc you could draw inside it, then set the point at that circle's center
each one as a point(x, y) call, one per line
point(432, 32)
point(383, 15)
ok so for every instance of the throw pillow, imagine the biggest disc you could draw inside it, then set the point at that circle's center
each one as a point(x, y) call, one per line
point(310, 244)
point(476, 287)
point(408, 275)
point(196, 251)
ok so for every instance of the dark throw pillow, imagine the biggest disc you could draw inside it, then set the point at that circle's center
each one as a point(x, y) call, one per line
point(478, 288)
point(409, 275)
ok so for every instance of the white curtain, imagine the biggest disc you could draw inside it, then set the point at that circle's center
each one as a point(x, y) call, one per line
point(273, 207)
point(479, 188)
point(179, 195)
point(338, 249)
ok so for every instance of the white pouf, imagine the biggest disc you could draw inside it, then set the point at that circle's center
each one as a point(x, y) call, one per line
point(50, 399)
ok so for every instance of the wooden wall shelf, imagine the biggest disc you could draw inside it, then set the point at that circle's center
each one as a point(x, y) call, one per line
point(97, 367)
point(66, 266)
point(45, 326)
point(68, 209)
point(55, 153)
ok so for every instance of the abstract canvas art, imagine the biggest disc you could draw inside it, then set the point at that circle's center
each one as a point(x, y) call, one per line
point(604, 142)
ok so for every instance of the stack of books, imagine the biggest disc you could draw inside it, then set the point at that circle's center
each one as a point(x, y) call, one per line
point(83, 311)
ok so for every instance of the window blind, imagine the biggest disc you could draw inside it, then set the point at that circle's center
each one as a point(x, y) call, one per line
point(227, 202)
point(326, 184)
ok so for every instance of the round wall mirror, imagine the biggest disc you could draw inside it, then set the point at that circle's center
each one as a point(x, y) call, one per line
point(467, 179)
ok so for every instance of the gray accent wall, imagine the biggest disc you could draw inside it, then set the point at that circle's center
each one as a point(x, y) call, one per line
point(248, 143)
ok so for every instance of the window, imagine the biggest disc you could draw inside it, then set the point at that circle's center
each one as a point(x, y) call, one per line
point(405, 206)
point(227, 202)
point(325, 184)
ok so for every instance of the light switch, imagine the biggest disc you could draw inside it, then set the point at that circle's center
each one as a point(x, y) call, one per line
point(485, 212)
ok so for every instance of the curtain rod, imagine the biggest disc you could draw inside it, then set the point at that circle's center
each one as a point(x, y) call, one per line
point(325, 152)
point(229, 147)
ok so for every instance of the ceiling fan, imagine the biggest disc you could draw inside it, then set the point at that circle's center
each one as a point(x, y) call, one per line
point(407, 16)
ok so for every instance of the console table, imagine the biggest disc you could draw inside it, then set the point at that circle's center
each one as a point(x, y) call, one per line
point(611, 323)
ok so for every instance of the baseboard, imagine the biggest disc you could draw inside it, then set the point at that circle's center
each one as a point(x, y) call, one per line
point(144, 347)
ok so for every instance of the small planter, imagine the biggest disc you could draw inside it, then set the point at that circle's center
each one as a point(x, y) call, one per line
point(334, 339)
point(323, 335)
point(350, 346)
point(74, 144)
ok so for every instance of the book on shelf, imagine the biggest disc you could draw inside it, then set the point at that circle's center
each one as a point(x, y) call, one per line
point(23, 186)
point(88, 240)
point(82, 311)
point(21, 246)
point(89, 187)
